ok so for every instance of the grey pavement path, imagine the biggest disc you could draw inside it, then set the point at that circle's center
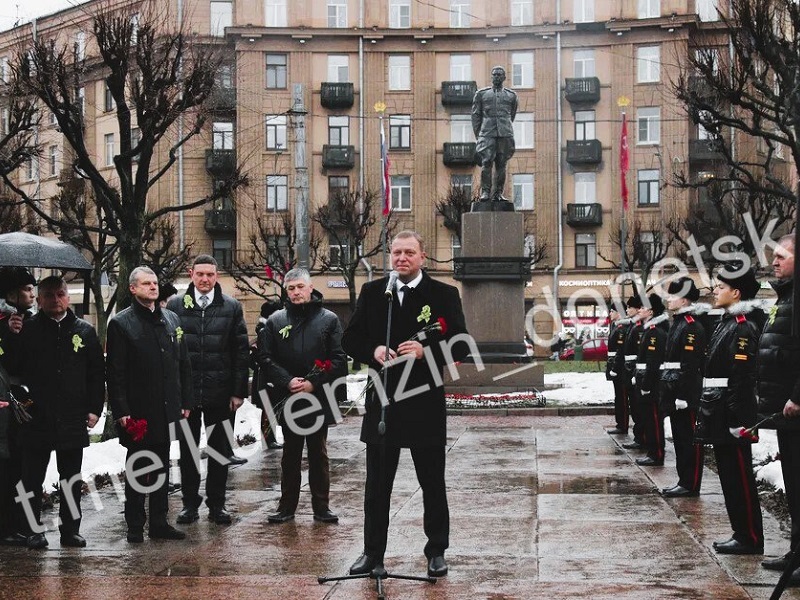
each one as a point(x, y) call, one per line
point(541, 507)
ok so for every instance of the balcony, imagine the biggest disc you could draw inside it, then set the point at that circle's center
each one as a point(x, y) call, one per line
point(705, 151)
point(584, 215)
point(222, 99)
point(458, 93)
point(584, 152)
point(221, 163)
point(459, 155)
point(338, 157)
point(582, 90)
point(336, 95)
point(221, 221)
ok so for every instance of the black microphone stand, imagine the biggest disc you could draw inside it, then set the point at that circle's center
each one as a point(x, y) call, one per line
point(379, 573)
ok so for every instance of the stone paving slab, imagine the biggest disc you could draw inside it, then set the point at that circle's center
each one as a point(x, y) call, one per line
point(541, 507)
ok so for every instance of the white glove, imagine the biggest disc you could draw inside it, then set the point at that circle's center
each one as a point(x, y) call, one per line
point(645, 392)
point(633, 380)
point(736, 431)
point(612, 374)
point(681, 404)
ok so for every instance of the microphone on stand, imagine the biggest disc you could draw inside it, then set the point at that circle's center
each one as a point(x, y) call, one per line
point(390, 285)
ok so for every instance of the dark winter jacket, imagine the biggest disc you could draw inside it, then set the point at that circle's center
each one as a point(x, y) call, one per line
point(684, 359)
point(730, 401)
point(616, 342)
point(779, 361)
point(630, 351)
point(61, 364)
point(5, 414)
point(216, 338)
point(148, 371)
point(650, 355)
point(288, 346)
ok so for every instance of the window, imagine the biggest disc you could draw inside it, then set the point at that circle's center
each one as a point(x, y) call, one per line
point(400, 132)
point(585, 250)
point(337, 13)
point(461, 129)
point(648, 125)
point(399, 14)
point(585, 188)
point(583, 63)
point(53, 119)
point(455, 246)
point(649, 180)
point(463, 182)
point(79, 45)
point(584, 11)
point(109, 103)
point(276, 132)
point(460, 13)
point(399, 72)
point(338, 186)
point(707, 10)
point(338, 68)
point(521, 12)
point(224, 76)
point(222, 250)
point(585, 125)
point(460, 67)
point(221, 17)
point(339, 248)
point(339, 131)
point(708, 56)
point(523, 130)
point(648, 64)
point(4, 121)
point(275, 13)
point(53, 156)
point(522, 69)
point(400, 186)
point(4, 69)
point(649, 9)
point(529, 247)
point(134, 29)
point(108, 140)
point(31, 169)
point(82, 100)
point(522, 186)
point(277, 193)
point(276, 71)
point(647, 244)
point(136, 137)
point(222, 135)
point(703, 133)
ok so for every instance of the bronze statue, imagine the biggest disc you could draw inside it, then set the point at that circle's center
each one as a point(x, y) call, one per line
point(493, 111)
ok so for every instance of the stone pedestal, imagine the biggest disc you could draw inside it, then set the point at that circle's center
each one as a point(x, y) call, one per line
point(493, 273)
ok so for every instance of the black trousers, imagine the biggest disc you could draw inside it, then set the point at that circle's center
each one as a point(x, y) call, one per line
point(11, 516)
point(218, 438)
point(632, 396)
point(429, 463)
point(735, 466)
point(789, 447)
point(34, 470)
point(653, 422)
point(688, 455)
point(319, 473)
point(621, 410)
point(153, 484)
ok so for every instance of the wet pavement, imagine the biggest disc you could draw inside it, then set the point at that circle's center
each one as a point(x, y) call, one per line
point(541, 507)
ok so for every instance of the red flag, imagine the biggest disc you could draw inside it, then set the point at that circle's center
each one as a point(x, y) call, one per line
point(624, 161)
point(387, 191)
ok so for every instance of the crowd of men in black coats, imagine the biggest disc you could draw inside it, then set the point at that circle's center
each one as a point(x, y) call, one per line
point(718, 373)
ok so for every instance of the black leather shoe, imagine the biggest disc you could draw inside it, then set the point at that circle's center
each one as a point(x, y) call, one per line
point(220, 516)
point(166, 532)
point(187, 515)
point(616, 431)
point(14, 539)
point(794, 580)
point(135, 536)
point(237, 460)
point(632, 446)
point(274, 445)
point(736, 547)
point(37, 541)
point(280, 517)
point(648, 461)
point(326, 517)
point(678, 491)
point(437, 566)
point(73, 540)
point(776, 564)
point(365, 564)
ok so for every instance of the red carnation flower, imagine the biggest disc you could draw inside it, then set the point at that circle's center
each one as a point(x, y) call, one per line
point(136, 428)
point(442, 325)
point(268, 272)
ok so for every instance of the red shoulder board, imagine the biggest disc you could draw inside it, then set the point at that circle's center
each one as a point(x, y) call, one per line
point(689, 318)
point(741, 318)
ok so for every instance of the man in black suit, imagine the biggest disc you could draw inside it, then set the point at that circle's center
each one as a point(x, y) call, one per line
point(415, 417)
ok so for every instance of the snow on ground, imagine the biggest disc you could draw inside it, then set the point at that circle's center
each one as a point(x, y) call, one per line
point(577, 389)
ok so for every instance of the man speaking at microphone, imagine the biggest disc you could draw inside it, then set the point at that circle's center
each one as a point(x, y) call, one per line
point(415, 417)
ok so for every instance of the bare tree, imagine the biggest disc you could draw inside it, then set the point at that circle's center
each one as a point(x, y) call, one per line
point(456, 201)
point(645, 243)
point(156, 75)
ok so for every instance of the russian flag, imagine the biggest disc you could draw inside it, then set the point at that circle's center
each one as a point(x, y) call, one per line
point(385, 187)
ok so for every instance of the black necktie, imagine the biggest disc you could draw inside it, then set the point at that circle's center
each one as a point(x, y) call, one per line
point(406, 290)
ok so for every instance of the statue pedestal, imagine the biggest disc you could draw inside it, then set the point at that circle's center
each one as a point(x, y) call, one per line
point(493, 273)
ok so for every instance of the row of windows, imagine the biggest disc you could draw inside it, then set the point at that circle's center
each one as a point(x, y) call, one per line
point(460, 13)
point(586, 247)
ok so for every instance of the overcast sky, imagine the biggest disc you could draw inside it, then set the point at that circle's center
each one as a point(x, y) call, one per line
point(25, 10)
